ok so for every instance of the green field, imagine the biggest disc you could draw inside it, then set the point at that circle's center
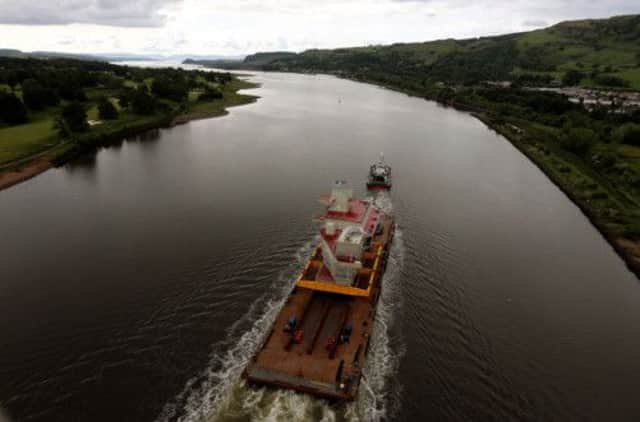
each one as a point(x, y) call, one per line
point(18, 142)
point(630, 153)
point(632, 75)
point(197, 110)
point(21, 142)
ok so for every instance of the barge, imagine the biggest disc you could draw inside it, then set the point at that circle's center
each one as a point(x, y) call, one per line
point(319, 341)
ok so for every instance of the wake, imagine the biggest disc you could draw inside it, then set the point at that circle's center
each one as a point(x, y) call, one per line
point(220, 394)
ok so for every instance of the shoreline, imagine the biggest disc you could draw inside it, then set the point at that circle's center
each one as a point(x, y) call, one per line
point(627, 249)
point(30, 170)
point(25, 169)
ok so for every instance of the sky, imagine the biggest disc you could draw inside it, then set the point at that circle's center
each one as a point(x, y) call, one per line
point(238, 27)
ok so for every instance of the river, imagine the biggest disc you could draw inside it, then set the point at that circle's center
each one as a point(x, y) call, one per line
point(136, 282)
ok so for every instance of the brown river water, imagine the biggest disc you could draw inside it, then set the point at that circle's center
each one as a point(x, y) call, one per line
point(136, 282)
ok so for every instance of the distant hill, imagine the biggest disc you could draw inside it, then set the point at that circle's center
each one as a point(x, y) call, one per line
point(112, 57)
point(215, 63)
point(253, 61)
point(261, 59)
point(6, 52)
point(594, 52)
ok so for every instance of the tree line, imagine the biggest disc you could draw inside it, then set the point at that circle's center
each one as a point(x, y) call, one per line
point(33, 85)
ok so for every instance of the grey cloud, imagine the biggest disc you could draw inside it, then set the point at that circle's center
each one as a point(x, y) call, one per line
point(535, 23)
point(125, 13)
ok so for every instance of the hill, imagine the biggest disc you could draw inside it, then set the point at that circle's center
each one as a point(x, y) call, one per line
point(261, 59)
point(9, 52)
point(115, 57)
point(12, 53)
point(603, 53)
point(254, 61)
point(589, 147)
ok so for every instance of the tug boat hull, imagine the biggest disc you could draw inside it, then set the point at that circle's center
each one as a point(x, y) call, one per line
point(379, 175)
point(378, 186)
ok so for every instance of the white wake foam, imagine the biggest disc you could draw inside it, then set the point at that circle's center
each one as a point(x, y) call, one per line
point(378, 397)
point(220, 394)
point(205, 394)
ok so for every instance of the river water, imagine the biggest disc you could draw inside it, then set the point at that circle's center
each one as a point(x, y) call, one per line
point(136, 282)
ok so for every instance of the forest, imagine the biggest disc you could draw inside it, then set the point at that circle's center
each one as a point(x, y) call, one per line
point(55, 105)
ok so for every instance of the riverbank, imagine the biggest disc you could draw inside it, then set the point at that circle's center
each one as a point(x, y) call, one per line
point(32, 169)
point(609, 209)
point(62, 152)
point(627, 249)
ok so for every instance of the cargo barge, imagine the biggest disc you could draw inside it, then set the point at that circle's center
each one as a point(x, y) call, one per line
point(319, 341)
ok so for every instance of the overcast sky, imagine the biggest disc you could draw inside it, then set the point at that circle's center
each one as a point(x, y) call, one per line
point(244, 26)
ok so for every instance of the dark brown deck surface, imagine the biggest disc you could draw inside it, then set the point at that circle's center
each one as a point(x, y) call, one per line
point(310, 366)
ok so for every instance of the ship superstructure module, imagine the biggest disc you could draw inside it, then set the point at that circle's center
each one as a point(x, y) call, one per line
point(319, 341)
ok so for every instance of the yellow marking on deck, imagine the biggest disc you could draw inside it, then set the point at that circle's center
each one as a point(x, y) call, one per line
point(337, 288)
point(333, 288)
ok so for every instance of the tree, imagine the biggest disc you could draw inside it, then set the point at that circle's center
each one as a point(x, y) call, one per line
point(628, 133)
point(572, 77)
point(106, 109)
point(110, 81)
point(210, 94)
point(36, 96)
point(142, 102)
point(13, 79)
point(611, 80)
point(578, 140)
point(172, 88)
point(72, 118)
point(72, 93)
point(125, 96)
point(12, 110)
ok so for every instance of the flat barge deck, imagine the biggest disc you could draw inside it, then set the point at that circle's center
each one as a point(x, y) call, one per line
point(323, 352)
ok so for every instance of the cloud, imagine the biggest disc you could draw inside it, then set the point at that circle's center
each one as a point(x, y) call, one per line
point(244, 26)
point(124, 13)
point(535, 23)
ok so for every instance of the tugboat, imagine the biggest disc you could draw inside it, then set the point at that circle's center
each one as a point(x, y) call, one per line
point(319, 341)
point(379, 175)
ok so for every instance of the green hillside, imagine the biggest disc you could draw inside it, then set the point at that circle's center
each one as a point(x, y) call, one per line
point(592, 153)
point(261, 59)
point(605, 52)
point(13, 53)
point(253, 61)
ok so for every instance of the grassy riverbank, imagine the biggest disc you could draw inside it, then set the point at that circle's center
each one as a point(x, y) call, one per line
point(140, 102)
point(602, 176)
point(206, 109)
point(591, 153)
point(613, 210)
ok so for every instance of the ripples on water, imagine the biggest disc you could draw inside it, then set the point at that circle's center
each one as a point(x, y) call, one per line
point(162, 261)
point(219, 393)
